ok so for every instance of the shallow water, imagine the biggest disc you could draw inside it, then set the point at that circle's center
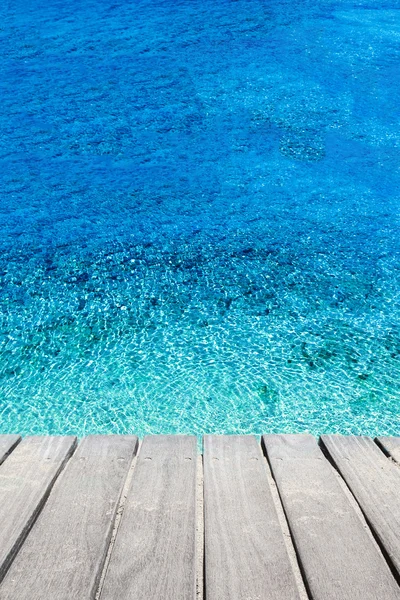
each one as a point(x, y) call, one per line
point(199, 216)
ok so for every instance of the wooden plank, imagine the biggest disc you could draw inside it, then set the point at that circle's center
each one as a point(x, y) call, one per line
point(391, 445)
point(338, 556)
point(245, 551)
point(26, 478)
point(375, 482)
point(154, 552)
point(7, 445)
point(63, 556)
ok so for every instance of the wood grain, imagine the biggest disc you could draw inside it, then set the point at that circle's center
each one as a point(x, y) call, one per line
point(26, 478)
point(375, 483)
point(154, 552)
point(245, 551)
point(391, 445)
point(339, 558)
point(7, 445)
point(63, 556)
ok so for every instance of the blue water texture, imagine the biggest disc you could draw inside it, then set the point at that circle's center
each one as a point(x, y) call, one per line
point(199, 216)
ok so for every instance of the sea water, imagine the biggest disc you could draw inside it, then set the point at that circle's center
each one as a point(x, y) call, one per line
point(199, 216)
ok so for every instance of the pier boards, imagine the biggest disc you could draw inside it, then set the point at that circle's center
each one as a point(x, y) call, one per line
point(284, 517)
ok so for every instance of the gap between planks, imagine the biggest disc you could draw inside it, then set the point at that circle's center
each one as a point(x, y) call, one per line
point(347, 491)
point(120, 510)
point(286, 535)
point(54, 453)
point(200, 529)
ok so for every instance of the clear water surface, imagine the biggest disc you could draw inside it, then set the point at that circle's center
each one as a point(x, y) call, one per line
point(199, 216)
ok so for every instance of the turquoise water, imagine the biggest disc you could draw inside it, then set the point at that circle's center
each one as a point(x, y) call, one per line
point(199, 216)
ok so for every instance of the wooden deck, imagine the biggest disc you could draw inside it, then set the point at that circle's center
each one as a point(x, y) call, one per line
point(285, 518)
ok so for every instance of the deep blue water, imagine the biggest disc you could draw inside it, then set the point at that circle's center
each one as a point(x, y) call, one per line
point(199, 216)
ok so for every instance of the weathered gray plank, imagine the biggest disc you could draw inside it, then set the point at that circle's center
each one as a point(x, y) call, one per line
point(63, 556)
point(7, 445)
point(245, 551)
point(154, 552)
point(339, 558)
point(26, 478)
point(375, 482)
point(391, 445)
